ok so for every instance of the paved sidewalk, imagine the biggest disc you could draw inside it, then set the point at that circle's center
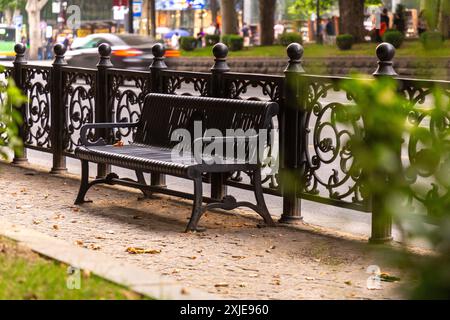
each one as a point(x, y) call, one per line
point(234, 258)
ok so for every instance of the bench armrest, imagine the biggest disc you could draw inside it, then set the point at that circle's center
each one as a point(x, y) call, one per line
point(101, 142)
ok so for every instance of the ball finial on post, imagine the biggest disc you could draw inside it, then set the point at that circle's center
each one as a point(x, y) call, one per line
point(59, 49)
point(385, 53)
point(295, 53)
point(20, 50)
point(158, 52)
point(104, 51)
point(220, 52)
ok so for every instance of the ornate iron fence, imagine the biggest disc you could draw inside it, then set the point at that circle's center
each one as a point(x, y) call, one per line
point(311, 145)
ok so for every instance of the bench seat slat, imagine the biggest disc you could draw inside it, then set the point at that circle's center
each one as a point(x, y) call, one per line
point(157, 159)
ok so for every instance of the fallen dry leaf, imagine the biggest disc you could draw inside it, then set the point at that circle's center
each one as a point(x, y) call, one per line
point(388, 278)
point(79, 243)
point(118, 144)
point(184, 291)
point(55, 227)
point(276, 282)
point(349, 283)
point(37, 221)
point(132, 250)
point(94, 247)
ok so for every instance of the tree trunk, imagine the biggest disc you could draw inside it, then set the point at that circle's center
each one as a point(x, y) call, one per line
point(267, 20)
point(214, 6)
point(8, 15)
point(33, 9)
point(145, 29)
point(152, 7)
point(444, 18)
point(229, 17)
point(352, 18)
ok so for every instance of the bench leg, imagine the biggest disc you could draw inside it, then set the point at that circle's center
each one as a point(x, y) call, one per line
point(84, 186)
point(141, 179)
point(260, 202)
point(197, 210)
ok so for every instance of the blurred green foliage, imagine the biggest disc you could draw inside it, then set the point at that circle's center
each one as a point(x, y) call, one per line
point(10, 118)
point(414, 193)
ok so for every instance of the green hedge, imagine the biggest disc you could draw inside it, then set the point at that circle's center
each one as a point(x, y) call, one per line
point(394, 37)
point(233, 42)
point(188, 43)
point(212, 39)
point(290, 37)
point(431, 40)
point(345, 41)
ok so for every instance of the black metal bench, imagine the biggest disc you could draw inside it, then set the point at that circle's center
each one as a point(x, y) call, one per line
point(153, 149)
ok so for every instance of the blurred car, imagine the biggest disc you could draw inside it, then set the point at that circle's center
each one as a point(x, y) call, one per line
point(129, 51)
point(7, 42)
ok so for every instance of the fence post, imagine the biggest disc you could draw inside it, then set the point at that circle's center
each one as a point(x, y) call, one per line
point(57, 111)
point(220, 52)
point(21, 156)
point(102, 111)
point(294, 134)
point(381, 222)
point(156, 83)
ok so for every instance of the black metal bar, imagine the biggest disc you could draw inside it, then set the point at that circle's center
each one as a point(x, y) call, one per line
point(57, 111)
point(294, 129)
point(381, 221)
point(158, 65)
point(102, 111)
point(20, 157)
point(220, 67)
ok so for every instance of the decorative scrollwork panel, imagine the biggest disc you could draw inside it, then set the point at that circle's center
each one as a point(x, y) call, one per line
point(79, 103)
point(127, 93)
point(430, 127)
point(37, 113)
point(186, 83)
point(329, 170)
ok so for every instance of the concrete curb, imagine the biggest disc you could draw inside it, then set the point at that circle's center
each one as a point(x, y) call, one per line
point(143, 281)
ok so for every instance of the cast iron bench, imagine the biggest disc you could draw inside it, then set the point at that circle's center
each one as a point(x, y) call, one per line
point(152, 150)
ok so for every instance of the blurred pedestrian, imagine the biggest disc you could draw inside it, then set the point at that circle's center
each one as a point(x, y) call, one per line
point(278, 29)
point(200, 38)
point(211, 29)
point(400, 19)
point(385, 22)
point(217, 31)
point(422, 24)
point(330, 31)
point(175, 41)
point(246, 35)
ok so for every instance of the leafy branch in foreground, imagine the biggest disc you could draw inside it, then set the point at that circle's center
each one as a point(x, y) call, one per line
point(414, 190)
point(10, 117)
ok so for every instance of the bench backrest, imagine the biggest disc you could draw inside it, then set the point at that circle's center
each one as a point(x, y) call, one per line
point(162, 114)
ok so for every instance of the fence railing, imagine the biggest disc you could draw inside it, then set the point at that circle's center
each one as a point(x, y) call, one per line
point(62, 98)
